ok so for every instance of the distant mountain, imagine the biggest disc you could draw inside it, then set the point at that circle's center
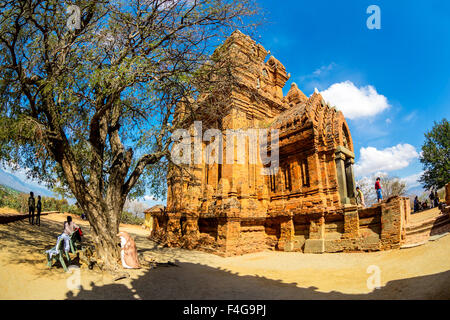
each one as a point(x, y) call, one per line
point(416, 191)
point(11, 181)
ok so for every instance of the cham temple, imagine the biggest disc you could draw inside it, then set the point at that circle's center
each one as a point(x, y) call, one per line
point(308, 205)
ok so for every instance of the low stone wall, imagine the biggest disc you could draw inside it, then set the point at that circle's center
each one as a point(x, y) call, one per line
point(395, 213)
point(7, 218)
point(380, 227)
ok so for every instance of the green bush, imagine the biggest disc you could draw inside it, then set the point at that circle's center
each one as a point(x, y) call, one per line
point(130, 218)
point(19, 200)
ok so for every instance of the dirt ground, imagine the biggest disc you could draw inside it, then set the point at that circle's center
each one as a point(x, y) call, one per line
point(417, 273)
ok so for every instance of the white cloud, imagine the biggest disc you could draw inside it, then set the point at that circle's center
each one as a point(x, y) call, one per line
point(323, 69)
point(410, 116)
point(394, 158)
point(370, 179)
point(412, 180)
point(149, 198)
point(355, 102)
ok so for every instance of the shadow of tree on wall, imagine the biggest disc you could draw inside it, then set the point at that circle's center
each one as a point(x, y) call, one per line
point(191, 281)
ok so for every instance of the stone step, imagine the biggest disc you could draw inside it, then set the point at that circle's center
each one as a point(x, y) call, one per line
point(428, 219)
point(438, 236)
point(427, 225)
point(423, 231)
point(413, 245)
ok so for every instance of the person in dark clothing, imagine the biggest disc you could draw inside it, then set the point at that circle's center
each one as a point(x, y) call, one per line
point(38, 211)
point(431, 199)
point(416, 204)
point(436, 199)
point(31, 206)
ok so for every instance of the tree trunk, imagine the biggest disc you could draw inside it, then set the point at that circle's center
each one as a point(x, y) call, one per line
point(105, 226)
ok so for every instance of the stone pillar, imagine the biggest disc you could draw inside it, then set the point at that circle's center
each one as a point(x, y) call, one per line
point(351, 222)
point(316, 241)
point(315, 171)
point(447, 194)
point(286, 241)
point(405, 212)
point(391, 223)
point(446, 208)
point(173, 230)
point(228, 232)
point(229, 226)
point(349, 177)
point(344, 159)
point(155, 226)
point(340, 171)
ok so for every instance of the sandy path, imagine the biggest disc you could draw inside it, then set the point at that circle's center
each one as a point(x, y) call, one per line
point(420, 272)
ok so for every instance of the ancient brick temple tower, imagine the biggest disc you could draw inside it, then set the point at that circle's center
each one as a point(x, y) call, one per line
point(308, 205)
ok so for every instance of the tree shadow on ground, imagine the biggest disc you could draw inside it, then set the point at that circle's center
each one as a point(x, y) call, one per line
point(190, 281)
point(28, 243)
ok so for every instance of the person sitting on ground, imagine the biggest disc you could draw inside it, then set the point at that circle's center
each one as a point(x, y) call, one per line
point(378, 190)
point(360, 197)
point(38, 211)
point(31, 206)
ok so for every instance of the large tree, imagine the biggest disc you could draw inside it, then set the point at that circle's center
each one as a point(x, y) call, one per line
point(435, 156)
point(88, 104)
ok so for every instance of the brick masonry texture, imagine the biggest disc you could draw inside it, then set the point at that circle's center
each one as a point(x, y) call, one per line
point(308, 205)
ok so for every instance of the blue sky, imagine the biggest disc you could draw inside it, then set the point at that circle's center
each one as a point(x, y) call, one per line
point(326, 43)
point(391, 83)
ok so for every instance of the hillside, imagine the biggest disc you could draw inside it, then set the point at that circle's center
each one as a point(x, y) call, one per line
point(5, 191)
point(9, 180)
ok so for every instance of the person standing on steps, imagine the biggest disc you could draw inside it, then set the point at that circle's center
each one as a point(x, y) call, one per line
point(378, 190)
point(416, 204)
point(31, 206)
point(360, 197)
point(38, 211)
point(436, 199)
point(431, 199)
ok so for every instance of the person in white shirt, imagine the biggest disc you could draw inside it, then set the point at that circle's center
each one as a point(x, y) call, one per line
point(69, 228)
point(360, 197)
